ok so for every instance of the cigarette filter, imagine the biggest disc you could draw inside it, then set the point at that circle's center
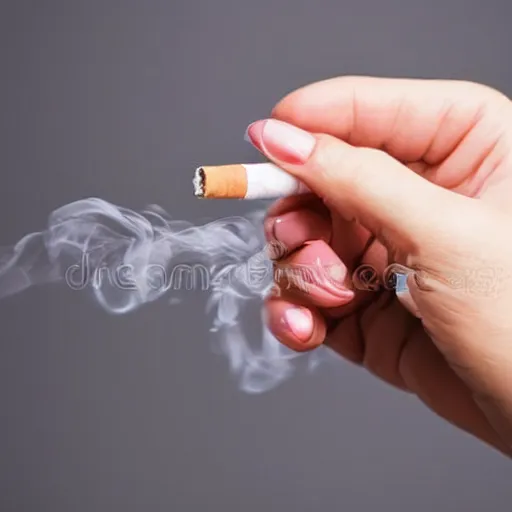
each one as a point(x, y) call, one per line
point(245, 181)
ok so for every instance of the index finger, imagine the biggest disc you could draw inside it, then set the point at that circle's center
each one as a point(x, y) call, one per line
point(412, 120)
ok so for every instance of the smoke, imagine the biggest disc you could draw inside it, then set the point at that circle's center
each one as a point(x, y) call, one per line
point(129, 259)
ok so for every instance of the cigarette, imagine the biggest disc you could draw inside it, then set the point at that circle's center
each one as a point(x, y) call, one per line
point(245, 181)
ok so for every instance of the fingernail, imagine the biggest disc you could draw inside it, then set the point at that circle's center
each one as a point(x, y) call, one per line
point(247, 138)
point(291, 230)
point(300, 322)
point(281, 141)
point(282, 231)
point(276, 247)
point(253, 135)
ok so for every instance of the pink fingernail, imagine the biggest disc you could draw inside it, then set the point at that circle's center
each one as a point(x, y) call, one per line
point(300, 323)
point(282, 230)
point(295, 228)
point(282, 141)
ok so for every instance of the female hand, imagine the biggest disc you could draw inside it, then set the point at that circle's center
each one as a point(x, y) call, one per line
point(412, 172)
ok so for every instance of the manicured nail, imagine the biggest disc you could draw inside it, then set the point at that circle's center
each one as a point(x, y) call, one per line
point(295, 228)
point(281, 141)
point(300, 322)
point(291, 230)
point(253, 135)
point(247, 138)
point(282, 230)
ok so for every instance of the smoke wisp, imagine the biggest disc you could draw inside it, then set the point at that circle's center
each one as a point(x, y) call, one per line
point(130, 258)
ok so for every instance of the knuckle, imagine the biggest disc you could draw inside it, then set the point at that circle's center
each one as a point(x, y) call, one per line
point(362, 164)
point(336, 161)
point(328, 157)
point(373, 156)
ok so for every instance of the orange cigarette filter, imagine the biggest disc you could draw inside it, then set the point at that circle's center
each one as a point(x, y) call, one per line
point(221, 182)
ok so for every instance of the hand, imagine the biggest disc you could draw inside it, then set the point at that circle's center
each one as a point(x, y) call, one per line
point(417, 173)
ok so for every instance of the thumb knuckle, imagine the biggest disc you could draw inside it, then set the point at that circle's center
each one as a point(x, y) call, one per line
point(328, 158)
point(337, 161)
point(364, 166)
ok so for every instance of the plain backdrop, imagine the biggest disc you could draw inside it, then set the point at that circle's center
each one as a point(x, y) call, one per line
point(122, 100)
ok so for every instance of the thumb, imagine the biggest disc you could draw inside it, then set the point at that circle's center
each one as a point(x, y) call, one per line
point(396, 204)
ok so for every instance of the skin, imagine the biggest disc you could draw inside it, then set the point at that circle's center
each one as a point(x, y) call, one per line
point(413, 172)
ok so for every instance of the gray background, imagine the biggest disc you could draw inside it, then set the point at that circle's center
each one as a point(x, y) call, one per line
point(122, 99)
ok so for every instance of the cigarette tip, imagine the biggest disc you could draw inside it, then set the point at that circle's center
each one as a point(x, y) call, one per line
point(198, 182)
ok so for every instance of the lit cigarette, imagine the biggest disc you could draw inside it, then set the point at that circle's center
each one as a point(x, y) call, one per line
point(245, 181)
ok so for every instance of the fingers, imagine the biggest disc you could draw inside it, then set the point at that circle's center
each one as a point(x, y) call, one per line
point(314, 275)
point(368, 185)
point(411, 119)
point(313, 221)
point(299, 328)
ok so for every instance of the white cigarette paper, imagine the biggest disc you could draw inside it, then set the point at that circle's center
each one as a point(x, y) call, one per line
point(245, 181)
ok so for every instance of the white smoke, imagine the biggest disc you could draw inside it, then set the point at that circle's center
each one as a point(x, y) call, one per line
point(130, 258)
